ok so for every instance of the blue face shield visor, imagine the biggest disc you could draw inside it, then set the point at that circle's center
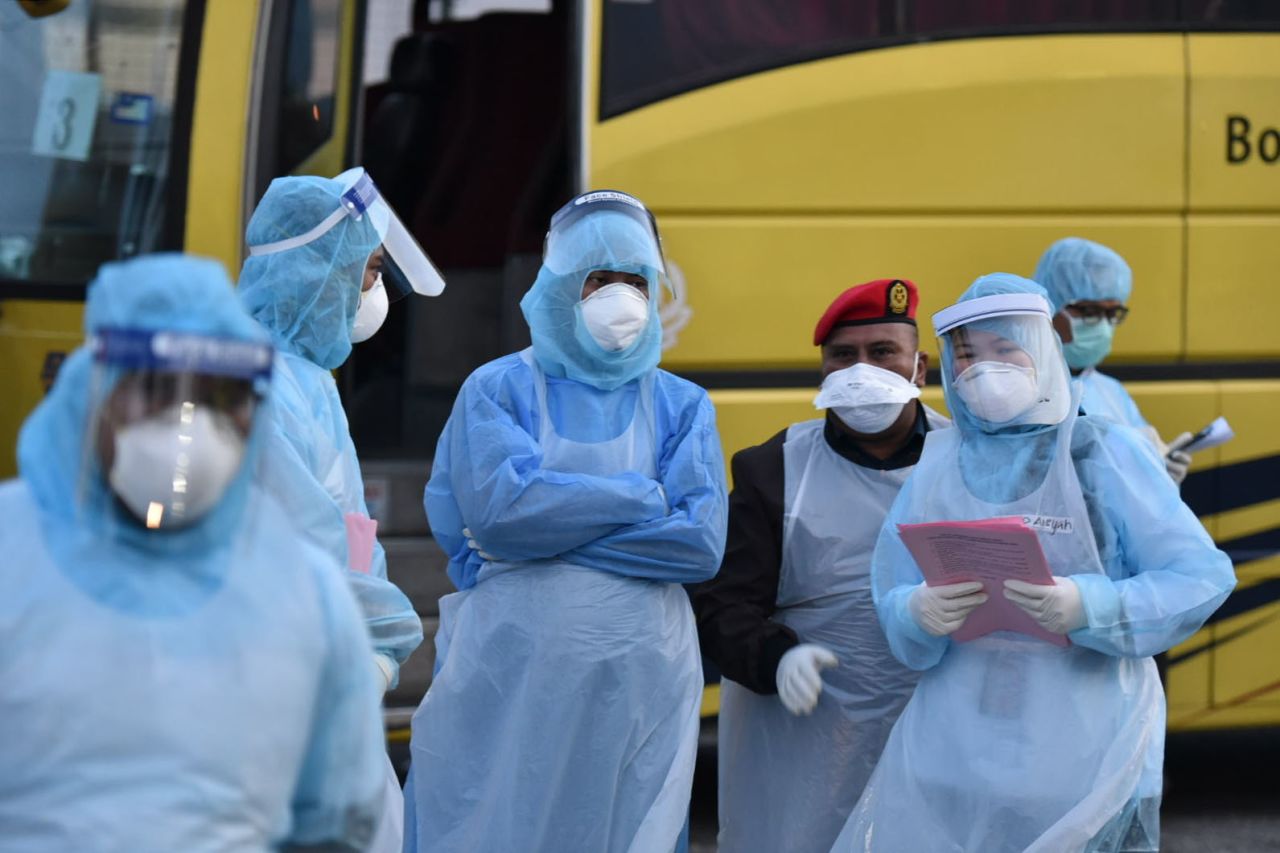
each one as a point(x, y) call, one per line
point(408, 269)
point(603, 230)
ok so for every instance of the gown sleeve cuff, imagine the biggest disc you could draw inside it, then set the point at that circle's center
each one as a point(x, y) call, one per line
point(1100, 598)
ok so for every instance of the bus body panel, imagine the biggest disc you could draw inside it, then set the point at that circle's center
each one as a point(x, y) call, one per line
point(1006, 124)
point(215, 189)
point(35, 335)
point(740, 270)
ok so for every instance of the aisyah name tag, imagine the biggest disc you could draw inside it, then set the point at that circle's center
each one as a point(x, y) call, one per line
point(1051, 524)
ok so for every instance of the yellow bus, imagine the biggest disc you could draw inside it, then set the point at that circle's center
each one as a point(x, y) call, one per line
point(789, 147)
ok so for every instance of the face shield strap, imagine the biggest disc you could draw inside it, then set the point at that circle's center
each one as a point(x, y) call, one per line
point(179, 352)
point(354, 203)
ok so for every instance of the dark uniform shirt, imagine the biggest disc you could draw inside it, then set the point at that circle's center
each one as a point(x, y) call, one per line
point(734, 608)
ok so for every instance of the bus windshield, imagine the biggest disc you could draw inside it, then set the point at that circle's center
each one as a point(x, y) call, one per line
point(88, 107)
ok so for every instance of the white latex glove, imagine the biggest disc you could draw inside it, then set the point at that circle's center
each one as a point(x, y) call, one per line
point(941, 610)
point(1177, 461)
point(799, 677)
point(475, 546)
point(1058, 608)
point(385, 669)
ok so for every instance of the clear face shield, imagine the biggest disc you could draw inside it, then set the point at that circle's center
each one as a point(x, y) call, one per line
point(605, 230)
point(406, 268)
point(1002, 364)
point(170, 418)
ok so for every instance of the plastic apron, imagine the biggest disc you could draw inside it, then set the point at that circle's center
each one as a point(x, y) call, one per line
point(564, 714)
point(811, 770)
point(1011, 743)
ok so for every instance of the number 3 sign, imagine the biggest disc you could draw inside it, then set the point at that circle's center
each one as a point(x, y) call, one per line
point(68, 112)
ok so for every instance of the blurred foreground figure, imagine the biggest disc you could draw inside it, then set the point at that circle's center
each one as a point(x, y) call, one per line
point(181, 668)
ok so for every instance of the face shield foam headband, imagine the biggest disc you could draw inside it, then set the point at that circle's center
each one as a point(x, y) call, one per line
point(170, 429)
point(360, 198)
point(603, 230)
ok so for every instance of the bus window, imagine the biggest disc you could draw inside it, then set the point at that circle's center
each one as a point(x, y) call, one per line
point(310, 81)
point(87, 135)
point(655, 49)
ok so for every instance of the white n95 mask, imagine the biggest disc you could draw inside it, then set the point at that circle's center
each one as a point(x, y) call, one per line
point(868, 399)
point(371, 311)
point(173, 468)
point(615, 315)
point(996, 391)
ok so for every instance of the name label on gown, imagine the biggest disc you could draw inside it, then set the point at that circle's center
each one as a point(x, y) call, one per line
point(1051, 524)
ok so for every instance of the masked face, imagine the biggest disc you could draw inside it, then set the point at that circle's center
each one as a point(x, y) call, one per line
point(172, 468)
point(1090, 342)
point(615, 315)
point(371, 312)
point(868, 399)
point(997, 391)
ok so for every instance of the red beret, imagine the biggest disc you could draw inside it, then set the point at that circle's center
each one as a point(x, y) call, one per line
point(885, 300)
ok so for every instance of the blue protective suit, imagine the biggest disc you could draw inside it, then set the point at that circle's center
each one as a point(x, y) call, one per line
point(199, 689)
point(564, 712)
point(1104, 397)
point(307, 298)
point(1011, 743)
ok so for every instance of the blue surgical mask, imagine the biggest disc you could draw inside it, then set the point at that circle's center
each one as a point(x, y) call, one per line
point(1090, 343)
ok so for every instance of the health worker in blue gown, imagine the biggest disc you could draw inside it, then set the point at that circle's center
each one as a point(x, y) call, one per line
point(182, 668)
point(326, 257)
point(314, 279)
point(1010, 742)
point(574, 488)
point(1088, 286)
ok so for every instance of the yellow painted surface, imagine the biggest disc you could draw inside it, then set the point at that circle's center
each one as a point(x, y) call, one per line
point(215, 192)
point(1188, 683)
point(757, 285)
point(1232, 301)
point(1027, 124)
point(1245, 672)
point(29, 331)
point(1234, 74)
point(710, 701)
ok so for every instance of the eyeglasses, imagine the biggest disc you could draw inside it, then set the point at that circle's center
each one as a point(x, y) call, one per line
point(1092, 315)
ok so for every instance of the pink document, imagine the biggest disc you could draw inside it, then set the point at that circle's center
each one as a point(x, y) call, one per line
point(362, 533)
point(989, 551)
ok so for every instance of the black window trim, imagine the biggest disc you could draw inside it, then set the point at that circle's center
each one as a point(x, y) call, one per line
point(654, 95)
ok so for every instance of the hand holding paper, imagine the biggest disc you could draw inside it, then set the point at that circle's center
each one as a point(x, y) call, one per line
point(1057, 608)
point(1177, 462)
point(941, 610)
point(1216, 433)
point(985, 553)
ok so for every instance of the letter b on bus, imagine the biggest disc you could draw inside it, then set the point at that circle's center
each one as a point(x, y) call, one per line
point(1240, 148)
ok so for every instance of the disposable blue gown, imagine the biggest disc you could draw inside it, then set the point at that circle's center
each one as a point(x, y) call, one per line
point(202, 689)
point(307, 298)
point(1104, 397)
point(564, 711)
point(1010, 743)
